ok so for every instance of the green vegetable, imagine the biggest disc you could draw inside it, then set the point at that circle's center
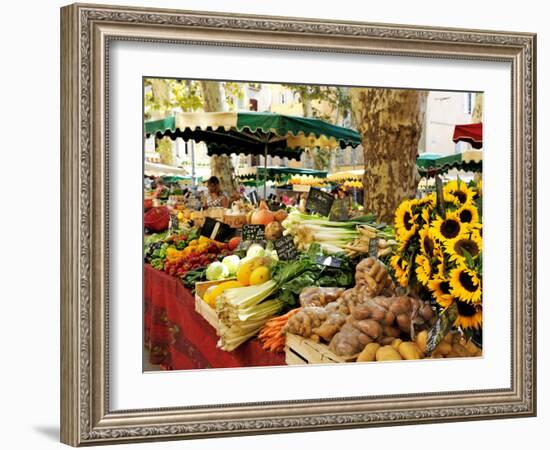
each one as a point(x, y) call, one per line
point(194, 276)
point(157, 263)
point(332, 236)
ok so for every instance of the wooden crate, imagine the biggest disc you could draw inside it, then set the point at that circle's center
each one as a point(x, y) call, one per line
point(203, 308)
point(300, 350)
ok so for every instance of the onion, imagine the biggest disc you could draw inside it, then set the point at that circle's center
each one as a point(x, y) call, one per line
point(262, 217)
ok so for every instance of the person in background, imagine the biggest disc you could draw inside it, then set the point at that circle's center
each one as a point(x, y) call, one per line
point(159, 188)
point(339, 193)
point(215, 198)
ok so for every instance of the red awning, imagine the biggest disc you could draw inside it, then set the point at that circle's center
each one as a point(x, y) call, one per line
point(471, 132)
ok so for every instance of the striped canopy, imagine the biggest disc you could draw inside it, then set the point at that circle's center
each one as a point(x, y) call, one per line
point(254, 133)
point(430, 164)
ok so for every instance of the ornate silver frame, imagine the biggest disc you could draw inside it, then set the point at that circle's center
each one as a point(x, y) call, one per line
point(86, 31)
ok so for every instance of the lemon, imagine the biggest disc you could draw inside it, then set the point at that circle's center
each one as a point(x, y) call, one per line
point(259, 275)
point(243, 274)
point(208, 295)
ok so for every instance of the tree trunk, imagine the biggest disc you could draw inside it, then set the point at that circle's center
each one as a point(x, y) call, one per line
point(390, 122)
point(220, 166)
point(477, 113)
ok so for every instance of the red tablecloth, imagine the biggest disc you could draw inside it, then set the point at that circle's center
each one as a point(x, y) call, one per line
point(179, 338)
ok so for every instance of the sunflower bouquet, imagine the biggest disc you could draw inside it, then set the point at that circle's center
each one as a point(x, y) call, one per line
point(440, 250)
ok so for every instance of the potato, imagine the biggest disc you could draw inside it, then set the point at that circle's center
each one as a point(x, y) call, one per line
point(460, 350)
point(448, 338)
point(471, 348)
point(386, 340)
point(396, 343)
point(443, 348)
point(400, 305)
point(422, 341)
point(369, 352)
point(426, 312)
point(404, 322)
point(391, 331)
point(409, 350)
point(369, 326)
point(387, 353)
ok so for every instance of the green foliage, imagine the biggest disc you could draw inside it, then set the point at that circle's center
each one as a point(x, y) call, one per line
point(233, 91)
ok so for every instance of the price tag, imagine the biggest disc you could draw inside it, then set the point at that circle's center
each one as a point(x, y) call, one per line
point(373, 247)
point(253, 233)
point(216, 230)
point(286, 250)
point(319, 202)
point(329, 261)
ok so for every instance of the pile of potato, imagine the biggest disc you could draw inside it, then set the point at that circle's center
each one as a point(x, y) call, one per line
point(370, 321)
point(452, 346)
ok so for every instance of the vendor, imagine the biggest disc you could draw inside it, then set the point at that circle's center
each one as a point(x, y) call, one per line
point(158, 188)
point(215, 198)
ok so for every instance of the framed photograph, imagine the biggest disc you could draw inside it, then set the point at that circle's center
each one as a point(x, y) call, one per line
point(266, 219)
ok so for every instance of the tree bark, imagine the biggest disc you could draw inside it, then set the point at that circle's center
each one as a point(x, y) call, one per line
point(390, 122)
point(220, 166)
point(477, 113)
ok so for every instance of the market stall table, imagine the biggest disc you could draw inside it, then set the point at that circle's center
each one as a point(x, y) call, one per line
point(179, 338)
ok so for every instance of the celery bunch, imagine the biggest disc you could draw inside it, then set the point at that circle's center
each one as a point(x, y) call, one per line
point(242, 312)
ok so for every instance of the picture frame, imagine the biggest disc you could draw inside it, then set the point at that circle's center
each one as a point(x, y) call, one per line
point(87, 31)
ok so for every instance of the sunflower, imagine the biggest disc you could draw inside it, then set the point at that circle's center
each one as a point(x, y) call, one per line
point(405, 240)
point(439, 259)
point(465, 284)
point(401, 269)
point(404, 219)
point(427, 242)
point(423, 269)
point(457, 192)
point(456, 248)
point(448, 228)
point(426, 215)
point(478, 189)
point(441, 291)
point(469, 316)
point(468, 215)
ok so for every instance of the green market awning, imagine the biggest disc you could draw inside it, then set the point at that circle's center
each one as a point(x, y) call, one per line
point(278, 173)
point(254, 133)
point(430, 164)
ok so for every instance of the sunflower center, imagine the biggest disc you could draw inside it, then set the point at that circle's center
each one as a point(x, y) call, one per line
point(445, 287)
point(466, 244)
point(461, 196)
point(467, 282)
point(466, 216)
point(465, 309)
point(407, 220)
point(450, 228)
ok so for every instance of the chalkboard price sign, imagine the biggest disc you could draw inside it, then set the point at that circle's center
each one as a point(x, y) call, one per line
point(286, 250)
point(319, 202)
point(214, 229)
point(253, 233)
